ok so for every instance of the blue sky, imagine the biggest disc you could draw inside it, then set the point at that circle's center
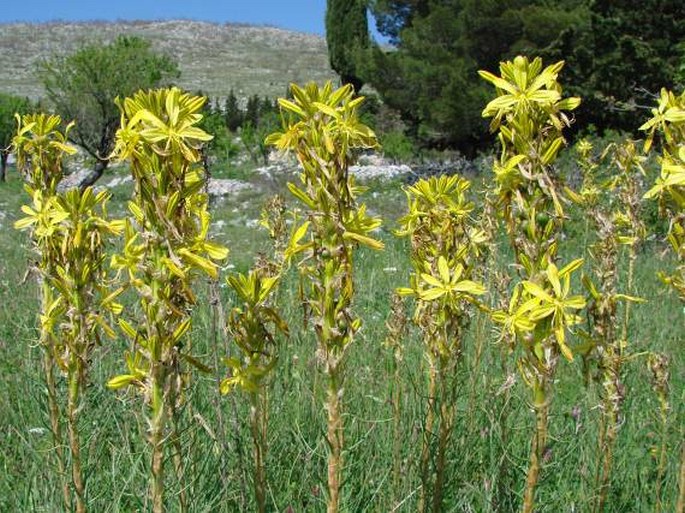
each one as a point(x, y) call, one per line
point(300, 15)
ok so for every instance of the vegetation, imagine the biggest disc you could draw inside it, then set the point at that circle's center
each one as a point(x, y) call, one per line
point(619, 54)
point(9, 106)
point(620, 57)
point(669, 122)
point(165, 246)
point(607, 345)
point(70, 233)
point(530, 293)
point(82, 87)
point(347, 35)
point(529, 115)
point(445, 251)
point(322, 129)
point(430, 77)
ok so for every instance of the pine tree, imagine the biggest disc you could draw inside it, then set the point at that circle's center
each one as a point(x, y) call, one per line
point(232, 113)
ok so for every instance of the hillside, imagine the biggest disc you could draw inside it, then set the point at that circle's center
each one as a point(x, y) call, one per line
point(213, 58)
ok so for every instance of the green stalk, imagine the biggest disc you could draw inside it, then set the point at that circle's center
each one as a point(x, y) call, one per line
point(259, 449)
point(215, 305)
point(428, 434)
point(661, 468)
point(607, 441)
point(238, 441)
point(479, 336)
point(503, 496)
point(632, 257)
point(680, 506)
point(538, 445)
point(335, 439)
point(55, 425)
point(157, 427)
point(53, 404)
point(608, 429)
point(219, 319)
point(75, 380)
point(447, 401)
point(396, 329)
point(175, 437)
point(396, 429)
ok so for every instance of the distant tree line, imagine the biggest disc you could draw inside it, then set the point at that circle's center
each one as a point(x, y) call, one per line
point(251, 120)
point(619, 54)
point(83, 87)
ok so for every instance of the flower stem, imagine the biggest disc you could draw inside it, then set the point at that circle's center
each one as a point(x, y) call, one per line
point(75, 379)
point(335, 439)
point(538, 445)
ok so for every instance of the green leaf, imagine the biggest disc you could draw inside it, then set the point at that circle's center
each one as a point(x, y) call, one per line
point(443, 269)
point(196, 363)
point(215, 251)
point(301, 195)
point(127, 328)
point(364, 240)
point(121, 381)
point(291, 107)
point(181, 330)
point(199, 262)
point(431, 294)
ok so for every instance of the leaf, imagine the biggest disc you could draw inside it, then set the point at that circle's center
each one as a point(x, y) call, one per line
point(173, 268)
point(498, 82)
point(572, 266)
point(301, 195)
point(127, 328)
point(364, 240)
point(291, 107)
point(631, 299)
point(405, 291)
point(180, 331)
point(432, 280)
point(215, 251)
point(443, 269)
point(327, 109)
point(200, 262)
point(431, 294)
point(470, 287)
point(24, 223)
point(552, 150)
point(196, 363)
point(570, 103)
point(136, 211)
point(121, 381)
point(537, 291)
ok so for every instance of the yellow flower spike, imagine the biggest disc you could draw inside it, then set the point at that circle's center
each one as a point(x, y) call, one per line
point(165, 248)
point(529, 114)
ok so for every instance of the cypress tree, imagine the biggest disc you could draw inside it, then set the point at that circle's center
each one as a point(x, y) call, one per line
point(252, 111)
point(347, 34)
point(232, 113)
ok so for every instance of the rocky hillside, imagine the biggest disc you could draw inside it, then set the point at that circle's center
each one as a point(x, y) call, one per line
point(213, 58)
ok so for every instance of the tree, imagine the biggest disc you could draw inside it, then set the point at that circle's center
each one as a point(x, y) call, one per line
point(619, 61)
point(82, 86)
point(430, 74)
point(347, 34)
point(232, 113)
point(252, 111)
point(9, 105)
point(394, 15)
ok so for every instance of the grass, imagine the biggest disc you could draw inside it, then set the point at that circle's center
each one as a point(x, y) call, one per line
point(481, 467)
